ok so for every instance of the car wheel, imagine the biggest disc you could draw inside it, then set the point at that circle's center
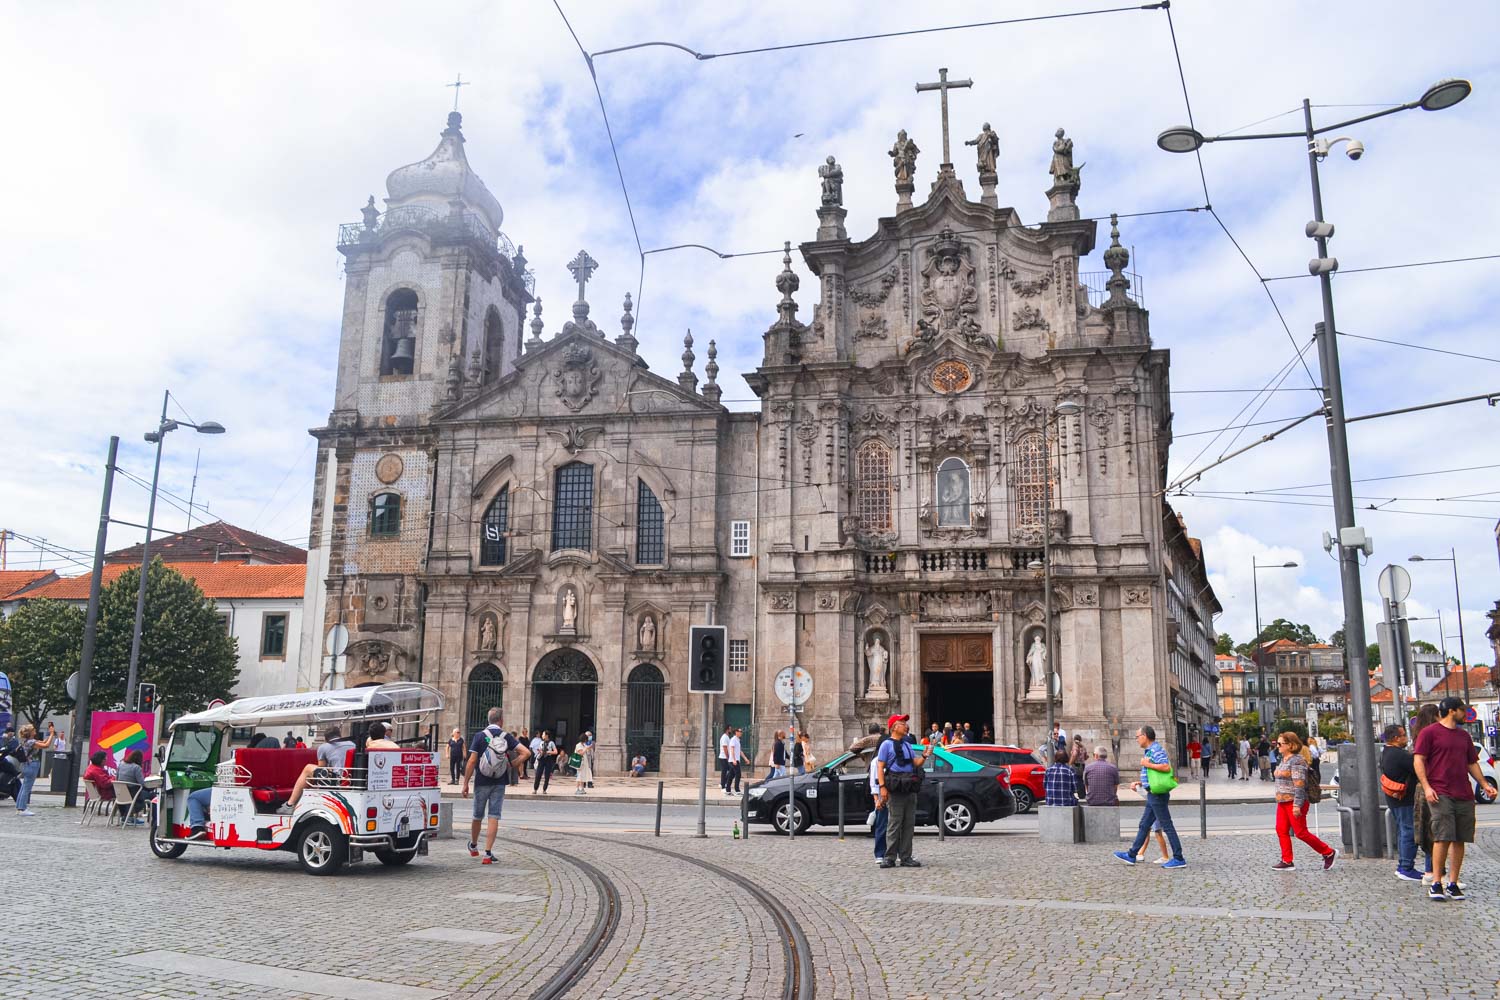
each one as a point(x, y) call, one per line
point(958, 818)
point(1024, 799)
point(797, 815)
point(162, 848)
point(321, 850)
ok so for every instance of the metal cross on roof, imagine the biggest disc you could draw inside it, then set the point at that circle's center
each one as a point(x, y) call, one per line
point(942, 86)
point(583, 267)
point(458, 82)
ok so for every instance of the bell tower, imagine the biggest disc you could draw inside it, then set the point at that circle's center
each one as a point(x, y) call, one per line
point(434, 295)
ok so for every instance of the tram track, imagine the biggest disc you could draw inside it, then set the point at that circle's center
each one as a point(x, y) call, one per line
point(595, 941)
point(799, 983)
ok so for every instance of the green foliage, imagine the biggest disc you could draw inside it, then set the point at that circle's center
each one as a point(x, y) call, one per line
point(1372, 655)
point(1298, 726)
point(184, 650)
point(1280, 629)
point(1423, 646)
point(1337, 639)
point(1225, 645)
point(39, 647)
point(1333, 727)
point(1242, 727)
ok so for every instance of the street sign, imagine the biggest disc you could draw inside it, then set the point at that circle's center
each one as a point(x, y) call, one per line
point(1395, 583)
point(72, 686)
point(793, 685)
point(1471, 716)
point(337, 641)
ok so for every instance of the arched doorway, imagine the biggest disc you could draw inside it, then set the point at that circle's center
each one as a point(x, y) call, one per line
point(645, 714)
point(563, 695)
point(485, 689)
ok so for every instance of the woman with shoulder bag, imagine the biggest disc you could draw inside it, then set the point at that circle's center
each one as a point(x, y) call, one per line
point(29, 752)
point(1292, 776)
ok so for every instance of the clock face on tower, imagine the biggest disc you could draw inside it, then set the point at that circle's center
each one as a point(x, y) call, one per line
point(793, 685)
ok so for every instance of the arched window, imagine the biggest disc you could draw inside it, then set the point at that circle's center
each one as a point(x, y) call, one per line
point(398, 344)
point(650, 530)
point(385, 515)
point(953, 493)
point(873, 486)
point(1031, 479)
point(573, 507)
point(494, 345)
point(493, 526)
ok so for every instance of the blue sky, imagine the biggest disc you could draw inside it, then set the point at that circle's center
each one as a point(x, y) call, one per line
point(177, 177)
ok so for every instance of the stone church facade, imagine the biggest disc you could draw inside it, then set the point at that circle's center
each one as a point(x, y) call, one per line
point(535, 520)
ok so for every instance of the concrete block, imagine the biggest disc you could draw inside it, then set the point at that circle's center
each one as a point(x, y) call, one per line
point(444, 829)
point(1101, 824)
point(1060, 824)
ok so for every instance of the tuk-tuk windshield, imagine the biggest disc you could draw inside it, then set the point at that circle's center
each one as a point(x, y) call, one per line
point(192, 746)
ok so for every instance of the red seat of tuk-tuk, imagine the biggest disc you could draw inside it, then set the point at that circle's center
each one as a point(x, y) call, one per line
point(272, 773)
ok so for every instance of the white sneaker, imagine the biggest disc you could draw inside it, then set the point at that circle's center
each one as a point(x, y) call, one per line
point(1427, 878)
point(1161, 861)
point(26, 812)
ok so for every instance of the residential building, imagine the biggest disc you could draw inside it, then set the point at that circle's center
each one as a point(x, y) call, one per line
point(1234, 688)
point(1191, 609)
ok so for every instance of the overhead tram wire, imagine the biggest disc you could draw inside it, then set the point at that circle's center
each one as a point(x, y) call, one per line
point(1419, 347)
point(1391, 267)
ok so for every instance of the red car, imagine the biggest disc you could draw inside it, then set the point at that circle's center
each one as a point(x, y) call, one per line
point(1026, 772)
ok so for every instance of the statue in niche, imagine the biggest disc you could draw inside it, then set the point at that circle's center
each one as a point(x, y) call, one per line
point(987, 147)
point(904, 158)
point(1036, 661)
point(487, 632)
point(877, 658)
point(648, 633)
point(953, 493)
point(833, 183)
point(570, 612)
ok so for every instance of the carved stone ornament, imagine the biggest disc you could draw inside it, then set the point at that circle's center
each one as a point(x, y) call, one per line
point(573, 437)
point(1028, 317)
point(951, 375)
point(872, 326)
point(1030, 287)
point(957, 606)
point(783, 601)
point(877, 615)
point(372, 658)
point(828, 601)
point(949, 296)
point(389, 468)
point(576, 378)
point(1136, 596)
point(879, 293)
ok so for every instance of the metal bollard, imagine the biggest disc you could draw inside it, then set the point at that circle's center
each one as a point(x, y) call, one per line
point(791, 803)
point(841, 810)
point(659, 786)
point(940, 810)
point(744, 817)
point(1202, 806)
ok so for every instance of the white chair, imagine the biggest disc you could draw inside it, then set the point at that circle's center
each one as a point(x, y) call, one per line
point(93, 805)
point(125, 796)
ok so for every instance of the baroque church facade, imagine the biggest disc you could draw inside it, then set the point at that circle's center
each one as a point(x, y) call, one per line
point(535, 520)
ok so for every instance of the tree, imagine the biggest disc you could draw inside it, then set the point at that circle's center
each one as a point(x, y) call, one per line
point(184, 650)
point(1302, 635)
point(1225, 645)
point(1423, 646)
point(1372, 655)
point(40, 646)
point(1337, 639)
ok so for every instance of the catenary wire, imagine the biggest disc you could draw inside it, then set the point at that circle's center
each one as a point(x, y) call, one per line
point(1391, 267)
point(1419, 347)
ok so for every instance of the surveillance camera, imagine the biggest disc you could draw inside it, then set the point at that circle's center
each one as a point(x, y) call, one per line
point(1356, 149)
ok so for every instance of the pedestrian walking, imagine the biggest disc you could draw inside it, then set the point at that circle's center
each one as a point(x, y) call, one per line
point(1445, 758)
point(1292, 776)
point(491, 766)
point(546, 761)
point(1246, 751)
point(28, 750)
point(808, 760)
point(724, 759)
point(1194, 751)
point(899, 775)
point(1060, 783)
point(1398, 780)
point(1231, 754)
point(1101, 780)
point(799, 754)
point(1078, 756)
point(1157, 782)
point(525, 740)
point(1263, 756)
point(584, 751)
point(1421, 812)
point(736, 758)
point(777, 756)
point(457, 754)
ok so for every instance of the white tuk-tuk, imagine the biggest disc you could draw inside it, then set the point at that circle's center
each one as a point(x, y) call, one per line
point(384, 801)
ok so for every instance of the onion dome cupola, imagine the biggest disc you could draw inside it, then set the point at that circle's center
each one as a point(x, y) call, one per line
point(444, 178)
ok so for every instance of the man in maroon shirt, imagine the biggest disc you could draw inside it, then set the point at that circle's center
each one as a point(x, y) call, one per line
point(1445, 758)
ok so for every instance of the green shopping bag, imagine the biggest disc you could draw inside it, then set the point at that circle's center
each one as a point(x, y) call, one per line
point(1160, 782)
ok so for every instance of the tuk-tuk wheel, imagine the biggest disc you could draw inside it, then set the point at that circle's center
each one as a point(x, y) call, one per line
point(321, 849)
point(395, 858)
point(161, 848)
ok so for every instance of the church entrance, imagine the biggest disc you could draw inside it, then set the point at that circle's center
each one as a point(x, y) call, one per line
point(957, 681)
point(563, 696)
point(645, 714)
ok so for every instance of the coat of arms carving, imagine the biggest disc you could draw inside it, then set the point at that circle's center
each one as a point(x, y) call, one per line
point(949, 294)
point(577, 377)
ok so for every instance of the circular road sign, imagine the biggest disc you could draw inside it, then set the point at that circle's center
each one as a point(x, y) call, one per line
point(794, 685)
point(337, 641)
point(1395, 583)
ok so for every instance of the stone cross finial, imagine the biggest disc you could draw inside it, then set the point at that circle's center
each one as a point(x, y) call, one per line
point(582, 268)
point(456, 84)
point(942, 86)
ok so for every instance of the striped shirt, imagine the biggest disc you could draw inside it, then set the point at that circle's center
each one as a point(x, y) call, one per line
point(1156, 754)
point(1291, 780)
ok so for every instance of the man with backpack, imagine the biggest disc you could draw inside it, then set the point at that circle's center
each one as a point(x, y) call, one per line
point(898, 767)
point(494, 757)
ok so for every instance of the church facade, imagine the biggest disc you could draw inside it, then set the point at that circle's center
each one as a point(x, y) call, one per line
point(535, 519)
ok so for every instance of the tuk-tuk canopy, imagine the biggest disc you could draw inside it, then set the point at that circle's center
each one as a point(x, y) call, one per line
point(381, 701)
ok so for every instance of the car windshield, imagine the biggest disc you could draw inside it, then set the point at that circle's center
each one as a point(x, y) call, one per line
point(192, 746)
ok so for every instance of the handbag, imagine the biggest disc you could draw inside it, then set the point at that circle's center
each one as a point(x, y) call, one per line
point(1160, 782)
point(575, 761)
point(904, 782)
point(1395, 789)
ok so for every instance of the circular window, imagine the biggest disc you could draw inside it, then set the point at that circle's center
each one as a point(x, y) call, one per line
point(951, 376)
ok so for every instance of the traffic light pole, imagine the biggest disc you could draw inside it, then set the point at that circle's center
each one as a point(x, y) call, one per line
point(703, 755)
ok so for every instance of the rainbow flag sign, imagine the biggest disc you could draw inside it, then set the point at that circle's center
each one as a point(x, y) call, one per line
point(118, 732)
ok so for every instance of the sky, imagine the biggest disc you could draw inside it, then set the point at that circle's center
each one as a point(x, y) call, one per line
point(177, 173)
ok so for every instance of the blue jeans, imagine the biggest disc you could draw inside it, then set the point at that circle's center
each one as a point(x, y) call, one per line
point(29, 772)
point(1406, 840)
point(882, 816)
point(1156, 812)
point(198, 807)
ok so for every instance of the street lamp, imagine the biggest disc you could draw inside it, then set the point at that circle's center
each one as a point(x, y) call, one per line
point(1066, 408)
point(1452, 557)
point(163, 428)
point(1255, 568)
point(1182, 139)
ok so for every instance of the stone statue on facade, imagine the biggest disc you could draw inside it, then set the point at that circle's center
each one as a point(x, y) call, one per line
point(904, 158)
point(877, 658)
point(833, 183)
point(1064, 174)
point(487, 634)
point(1036, 661)
point(648, 634)
point(987, 148)
point(570, 612)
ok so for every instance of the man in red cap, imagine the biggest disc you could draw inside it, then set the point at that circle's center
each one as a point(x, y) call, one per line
point(898, 768)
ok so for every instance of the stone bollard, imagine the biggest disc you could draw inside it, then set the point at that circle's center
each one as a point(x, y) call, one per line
point(444, 830)
point(1101, 824)
point(1060, 824)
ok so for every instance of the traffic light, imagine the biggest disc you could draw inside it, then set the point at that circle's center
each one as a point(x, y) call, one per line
point(706, 660)
point(145, 700)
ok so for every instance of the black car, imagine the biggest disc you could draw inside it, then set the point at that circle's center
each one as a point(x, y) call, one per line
point(972, 793)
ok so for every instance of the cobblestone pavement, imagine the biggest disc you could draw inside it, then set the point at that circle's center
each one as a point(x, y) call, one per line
point(986, 917)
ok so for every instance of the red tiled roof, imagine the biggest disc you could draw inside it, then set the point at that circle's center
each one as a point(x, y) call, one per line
point(221, 581)
point(215, 542)
point(1454, 682)
point(13, 581)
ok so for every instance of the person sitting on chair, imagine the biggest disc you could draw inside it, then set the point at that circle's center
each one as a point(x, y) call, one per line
point(330, 764)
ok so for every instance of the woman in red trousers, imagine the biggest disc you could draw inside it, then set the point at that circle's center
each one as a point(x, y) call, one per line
point(1291, 804)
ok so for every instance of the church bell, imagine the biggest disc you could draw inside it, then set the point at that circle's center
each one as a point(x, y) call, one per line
point(401, 353)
